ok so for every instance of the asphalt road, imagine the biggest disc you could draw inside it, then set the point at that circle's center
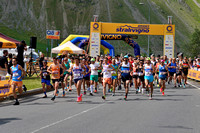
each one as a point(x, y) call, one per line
point(176, 112)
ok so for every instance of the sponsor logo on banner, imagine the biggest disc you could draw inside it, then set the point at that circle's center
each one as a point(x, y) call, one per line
point(111, 37)
point(169, 29)
point(95, 27)
point(168, 47)
point(53, 34)
point(139, 29)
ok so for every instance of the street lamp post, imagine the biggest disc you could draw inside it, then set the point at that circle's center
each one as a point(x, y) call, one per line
point(149, 22)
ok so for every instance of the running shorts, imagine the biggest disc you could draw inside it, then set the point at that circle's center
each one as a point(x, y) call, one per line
point(149, 78)
point(124, 78)
point(114, 77)
point(100, 74)
point(141, 78)
point(94, 78)
point(107, 80)
point(55, 80)
point(47, 82)
point(17, 83)
point(171, 73)
point(76, 80)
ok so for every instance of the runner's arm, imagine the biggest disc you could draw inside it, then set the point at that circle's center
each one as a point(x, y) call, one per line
point(49, 69)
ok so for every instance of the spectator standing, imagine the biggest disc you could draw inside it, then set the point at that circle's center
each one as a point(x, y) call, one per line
point(20, 56)
point(41, 61)
point(4, 60)
point(9, 62)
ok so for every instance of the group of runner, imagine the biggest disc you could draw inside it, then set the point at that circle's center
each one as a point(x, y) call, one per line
point(90, 73)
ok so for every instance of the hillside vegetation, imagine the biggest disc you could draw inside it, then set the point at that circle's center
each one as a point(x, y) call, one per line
point(21, 19)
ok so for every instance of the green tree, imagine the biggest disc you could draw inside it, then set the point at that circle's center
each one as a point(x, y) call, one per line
point(193, 49)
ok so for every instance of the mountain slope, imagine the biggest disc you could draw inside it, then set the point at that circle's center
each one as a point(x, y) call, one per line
point(21, 19)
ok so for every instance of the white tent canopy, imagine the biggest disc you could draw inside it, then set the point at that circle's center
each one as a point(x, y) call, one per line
point(68, 47)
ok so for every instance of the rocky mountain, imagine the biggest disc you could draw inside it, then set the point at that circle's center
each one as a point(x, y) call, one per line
point(21, 19)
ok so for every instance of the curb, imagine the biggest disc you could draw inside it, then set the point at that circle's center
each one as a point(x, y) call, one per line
point(25, 94)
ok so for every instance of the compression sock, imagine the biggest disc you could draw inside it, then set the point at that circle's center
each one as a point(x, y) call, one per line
point(45, 93)
point(91, 88)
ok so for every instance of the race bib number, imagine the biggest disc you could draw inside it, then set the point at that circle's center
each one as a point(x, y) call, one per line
point(44, 74)
point(125, 71)
point(140, 74)
point(162, 73)
point(55, 73)
point(148, 73)
point(77, 75)
point(134, 73)
point(15, 74)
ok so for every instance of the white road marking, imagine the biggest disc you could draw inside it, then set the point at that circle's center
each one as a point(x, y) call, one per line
point(194, 86)
point(70, 117)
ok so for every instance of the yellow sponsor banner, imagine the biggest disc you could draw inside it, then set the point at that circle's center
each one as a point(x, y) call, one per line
point(138, 29)
point(5, 89)
point(193, 74)
point(95, 38)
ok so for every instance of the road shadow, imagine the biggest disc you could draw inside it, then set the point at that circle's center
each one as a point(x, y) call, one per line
point(180, 127)
point(7, 120)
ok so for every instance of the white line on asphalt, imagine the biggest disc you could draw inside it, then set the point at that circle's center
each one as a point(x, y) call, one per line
point(85, 111)
point(194, 86)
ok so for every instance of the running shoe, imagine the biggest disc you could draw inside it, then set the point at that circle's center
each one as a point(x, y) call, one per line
point(160, 89)
point(95, 91)
point(53, 98)
point(91, 94)
point(174, 86)
point(158, 85)
point(183, 85)
point(84, 92)
point(111, 89)
point(178, 85)
point(143, 90)
point(113, 94)
point(150, 96)
point(45, 96)
point(66, 88)
point(24, 88)
point(168, 82)
point(57, 93)
point(79, 99)
point(108, 90)
point(104, 97)
point(63, 94)
point(139, 89)
point(16, 103)
point(70, 89)
point(119, 87)
point(125, 98)
point(163, 93)
point(136, 91)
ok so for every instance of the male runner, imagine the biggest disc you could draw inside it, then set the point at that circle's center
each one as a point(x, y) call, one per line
point(54, 70)
point(125, 74)
point(94, 75)
point(45, 78)
point(17, 72)
point(107, 68)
